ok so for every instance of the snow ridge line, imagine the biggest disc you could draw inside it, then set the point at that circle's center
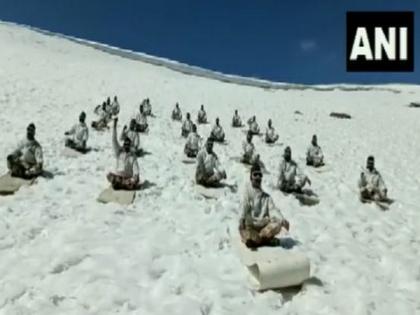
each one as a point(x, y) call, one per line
point(201, 72)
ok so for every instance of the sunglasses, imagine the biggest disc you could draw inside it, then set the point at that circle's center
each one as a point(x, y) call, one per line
point(257, 174)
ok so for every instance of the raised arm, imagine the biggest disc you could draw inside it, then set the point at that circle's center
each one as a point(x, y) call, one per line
point(86, 134)
point(123, 133)
point(115, 144)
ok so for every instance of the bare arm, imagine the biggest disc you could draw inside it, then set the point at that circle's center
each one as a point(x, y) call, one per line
point(136, 170)
point(115, 144)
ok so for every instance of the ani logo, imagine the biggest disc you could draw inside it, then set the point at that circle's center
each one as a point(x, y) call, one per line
point(380, 41)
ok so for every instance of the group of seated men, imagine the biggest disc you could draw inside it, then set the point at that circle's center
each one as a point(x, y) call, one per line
point(257, 225)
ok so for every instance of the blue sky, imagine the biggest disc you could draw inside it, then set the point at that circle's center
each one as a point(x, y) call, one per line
point(288, 41)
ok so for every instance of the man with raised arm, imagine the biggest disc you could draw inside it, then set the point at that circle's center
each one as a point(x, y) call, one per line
point(126, 174)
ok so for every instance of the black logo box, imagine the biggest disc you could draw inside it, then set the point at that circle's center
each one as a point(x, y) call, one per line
point(370, 20)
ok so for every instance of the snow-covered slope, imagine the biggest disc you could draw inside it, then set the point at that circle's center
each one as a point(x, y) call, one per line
point(170, 252)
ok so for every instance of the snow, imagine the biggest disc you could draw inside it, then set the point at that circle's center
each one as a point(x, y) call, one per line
point(170, 252)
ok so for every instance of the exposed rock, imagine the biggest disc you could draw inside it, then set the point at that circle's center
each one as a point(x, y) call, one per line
point(340, 115)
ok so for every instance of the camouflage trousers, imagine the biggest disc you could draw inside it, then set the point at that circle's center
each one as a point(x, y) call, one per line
point(20, 169)
point(271, 139)
point(122, 182)
point(212, 180)
point(254, 237)
point(293, 184)
point(372, 194)
point(191, 153)
point(217, 138)
point(141, 128)
point(100, 124)
point(314, 161)
point(73, 145)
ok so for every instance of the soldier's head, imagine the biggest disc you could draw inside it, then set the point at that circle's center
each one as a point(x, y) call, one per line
point(177, 105)
point(254, 118)
point(249, 136)
point(287, 154)
point(269, 123)
point(188, 116)
point(108, 101)
point(217, 121)
point(202, 106)
point(104, 105)
point(236, 112)
point(141, 108)
point(209, 145)
point(132, 124)
point(127, 144)
point(256, 175)
point(194, 128)
point(115, 98)
point(82, 117)
point(314, 140)
point(30, 131)
point(370, 163)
